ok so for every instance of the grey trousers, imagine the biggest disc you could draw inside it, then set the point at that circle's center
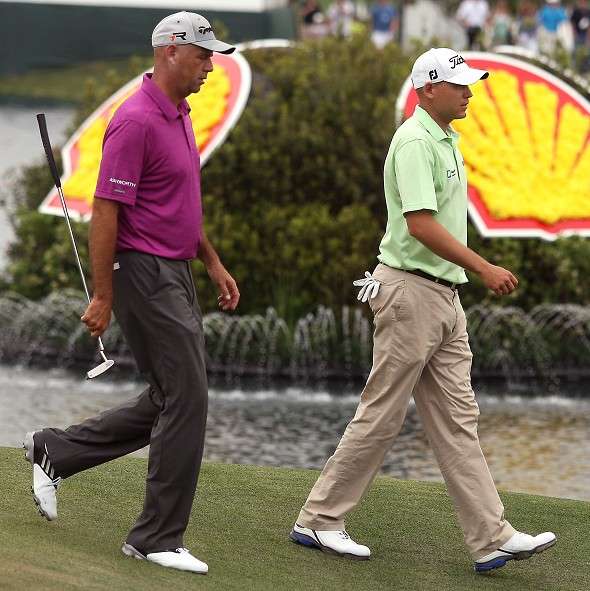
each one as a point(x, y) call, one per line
point(155, 304)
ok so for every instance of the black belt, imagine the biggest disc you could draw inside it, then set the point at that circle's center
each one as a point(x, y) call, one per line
point(432, 278)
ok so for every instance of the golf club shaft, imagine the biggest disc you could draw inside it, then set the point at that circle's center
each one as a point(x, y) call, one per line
point(65, 210)
point(53, 168)
point(50, 160)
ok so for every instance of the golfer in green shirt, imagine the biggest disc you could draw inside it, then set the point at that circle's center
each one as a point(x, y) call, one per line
point(421, 346)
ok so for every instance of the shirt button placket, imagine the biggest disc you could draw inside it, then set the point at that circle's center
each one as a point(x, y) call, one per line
point(188, 130)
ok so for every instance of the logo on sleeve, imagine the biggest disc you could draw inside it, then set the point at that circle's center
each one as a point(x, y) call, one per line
point(122, 182)
point(451, 173)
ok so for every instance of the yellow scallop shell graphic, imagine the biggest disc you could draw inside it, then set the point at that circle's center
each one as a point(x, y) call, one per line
point(214, 110)
point(526, 145)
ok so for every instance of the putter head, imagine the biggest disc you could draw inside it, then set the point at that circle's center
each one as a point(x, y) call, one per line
point(100, 369)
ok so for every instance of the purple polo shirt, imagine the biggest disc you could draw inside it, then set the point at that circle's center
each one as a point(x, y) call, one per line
point(150, 164)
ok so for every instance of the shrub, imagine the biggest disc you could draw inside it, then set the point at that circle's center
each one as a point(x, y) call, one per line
point(293, 200)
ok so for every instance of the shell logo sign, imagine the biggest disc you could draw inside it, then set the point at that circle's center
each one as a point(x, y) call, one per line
point(526, 144)
point(214, 111)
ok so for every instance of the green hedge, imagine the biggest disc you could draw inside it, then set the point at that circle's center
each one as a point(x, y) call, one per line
point(293, 200)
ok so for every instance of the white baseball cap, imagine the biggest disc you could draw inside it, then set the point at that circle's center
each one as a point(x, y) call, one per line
point(184, 28)
point(441, 64)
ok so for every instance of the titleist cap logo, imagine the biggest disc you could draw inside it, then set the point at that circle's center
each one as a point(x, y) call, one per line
point(456, 60)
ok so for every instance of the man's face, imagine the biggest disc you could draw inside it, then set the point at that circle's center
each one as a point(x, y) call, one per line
point(451, 100)
point(192, 65)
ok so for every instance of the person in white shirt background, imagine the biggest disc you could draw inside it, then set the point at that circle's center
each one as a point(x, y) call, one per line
point(473, 16)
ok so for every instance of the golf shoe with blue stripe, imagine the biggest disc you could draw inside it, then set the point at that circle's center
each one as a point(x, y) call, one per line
point(519, 547)
point(333, 542)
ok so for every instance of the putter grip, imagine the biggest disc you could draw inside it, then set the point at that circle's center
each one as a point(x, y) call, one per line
point(47, 145)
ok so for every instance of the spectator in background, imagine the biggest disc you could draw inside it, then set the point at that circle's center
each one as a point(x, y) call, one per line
point(385, 23)
point(341, 16)
point(473, 15)
point(314, 22)
point(527, 25)
point(580, 20)
point(552, 17)
point(501, 25)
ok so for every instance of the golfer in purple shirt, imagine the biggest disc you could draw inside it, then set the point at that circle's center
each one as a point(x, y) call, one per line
point(146, 227)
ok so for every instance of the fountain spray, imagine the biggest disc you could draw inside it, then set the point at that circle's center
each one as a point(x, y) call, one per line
point(107, 363)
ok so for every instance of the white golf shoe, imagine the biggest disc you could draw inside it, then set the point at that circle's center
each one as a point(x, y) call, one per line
point(45, 481)
point(333, 542)
point(519, 547)
point(180, 559)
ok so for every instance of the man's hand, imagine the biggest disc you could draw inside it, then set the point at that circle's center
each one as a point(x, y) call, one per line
point(229, 295)
point(97, 316)
point(499, 280)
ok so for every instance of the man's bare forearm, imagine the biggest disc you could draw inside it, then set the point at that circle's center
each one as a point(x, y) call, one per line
point(103, 239)
point(424, 228)
point(207, 253)
point(229, 294)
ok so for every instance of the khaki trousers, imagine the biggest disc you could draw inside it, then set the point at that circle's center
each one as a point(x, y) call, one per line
point(421, 349)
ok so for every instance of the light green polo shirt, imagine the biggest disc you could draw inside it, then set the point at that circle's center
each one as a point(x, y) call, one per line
point(424, 169)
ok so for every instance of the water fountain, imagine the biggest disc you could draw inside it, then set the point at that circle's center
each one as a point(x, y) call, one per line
point(551, 342)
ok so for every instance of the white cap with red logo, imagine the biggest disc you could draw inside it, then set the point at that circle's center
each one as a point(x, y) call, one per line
point(444, 65)
point(184, 28)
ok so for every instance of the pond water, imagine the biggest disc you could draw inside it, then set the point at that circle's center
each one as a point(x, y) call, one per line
point(21, 145)
point(538, 444)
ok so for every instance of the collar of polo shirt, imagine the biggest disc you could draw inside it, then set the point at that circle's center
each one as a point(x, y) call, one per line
point(167, 107)
point(433, 128)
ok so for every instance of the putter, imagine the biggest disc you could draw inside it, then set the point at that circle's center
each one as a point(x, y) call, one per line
point(106, 363)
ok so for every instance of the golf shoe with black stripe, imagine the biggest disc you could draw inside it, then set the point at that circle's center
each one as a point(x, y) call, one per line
point(519, 547)
point(333, 542)
point(180, 559)
point(45, 480)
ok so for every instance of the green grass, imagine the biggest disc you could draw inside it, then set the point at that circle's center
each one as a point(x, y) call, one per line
point(240, 522)
point(68, 84)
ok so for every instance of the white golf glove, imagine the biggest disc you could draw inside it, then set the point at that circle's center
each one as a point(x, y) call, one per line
point(369, 287)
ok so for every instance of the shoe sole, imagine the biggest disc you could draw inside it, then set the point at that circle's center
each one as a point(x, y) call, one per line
point(309, 542)
point(29, 447)
point(502, 560)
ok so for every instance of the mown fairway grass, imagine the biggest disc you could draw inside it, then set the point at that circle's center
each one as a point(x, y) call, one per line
point(240, 524)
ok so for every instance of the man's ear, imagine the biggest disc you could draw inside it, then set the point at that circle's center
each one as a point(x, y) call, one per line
point(172, 53)
point(427, 90)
